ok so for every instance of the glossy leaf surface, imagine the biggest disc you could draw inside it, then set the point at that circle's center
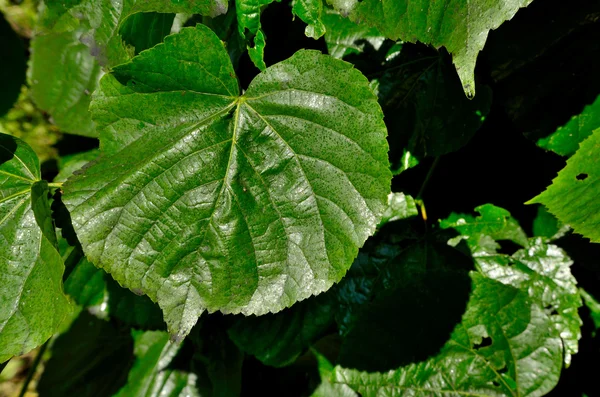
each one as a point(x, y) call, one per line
point(206, 200)
point(344, 37)
point(573, 195)
point(460, 26)
point(33, 303)
point(311, 12)
point(502, 340)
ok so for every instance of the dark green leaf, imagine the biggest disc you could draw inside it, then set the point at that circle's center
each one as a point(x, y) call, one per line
point(31, 270)
point(278, 339)
point(146, 29)
point(206, 200)
point(68, 165)
point(460, 26)
point(594, 307)
point(425, 285)
point(573, 195)
point(427, 113)
point(12, 67)
point(134, 310)
point(86, 284)
point(90, 360)
point(62, 75)
point(546, 225)
point(504, 345)
point(248, 18)
point(565, 140)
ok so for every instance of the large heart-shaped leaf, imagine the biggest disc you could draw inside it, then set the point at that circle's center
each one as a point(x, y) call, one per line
point(204, 199)
point(33, 304)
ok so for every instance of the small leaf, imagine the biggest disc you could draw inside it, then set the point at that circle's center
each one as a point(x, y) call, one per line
point(546, 225)
point(573, 197)
point(400, 206)
point(249, 27)
point(460, 26)
point(311, 12)
point(565, 140)
point(33, 303)
point(251, 203)
point(594, 307)
point(501, 347)
point(278, 339)
point(494, 222)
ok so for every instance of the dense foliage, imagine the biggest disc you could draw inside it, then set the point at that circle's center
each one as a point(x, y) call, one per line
point(307, 197)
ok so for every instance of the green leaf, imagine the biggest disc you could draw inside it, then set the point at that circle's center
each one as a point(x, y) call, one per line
point(425, 285)
point(344, 37)
point(311, 12)
point(400, 206)
point(33, 303)
point(460, 26)
point(278, 339)
point(494, 222)
point(226, 27)
point(86, 284)
point(69, 165)
point(90, 360)
point(427, 113)
point(62, 75)
point(504, 345)
point(573, 195)
point(541, 270)
point(99, 23)
point(546, 225)
point(150, 375)
point(205, 200)
point(136, 311)
point(12, 67)
point(594, 307)
point(248, 18)
point(565, 140)
point(146, 29)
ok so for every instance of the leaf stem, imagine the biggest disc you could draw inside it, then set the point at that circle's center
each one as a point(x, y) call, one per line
point(427, 177)
point(55, 184)
point(32, 370)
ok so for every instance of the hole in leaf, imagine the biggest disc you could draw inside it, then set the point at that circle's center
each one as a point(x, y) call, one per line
point(551, 310)
point(485, 342)
point(508, 247)
point(582, 176)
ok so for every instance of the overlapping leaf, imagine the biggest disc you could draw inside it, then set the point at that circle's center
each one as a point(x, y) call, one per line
point(573, 195)
point(541, 270)
point(460, 26)
point(207, 200)
point(33, 303)
point(502, 346)
point(344, 37)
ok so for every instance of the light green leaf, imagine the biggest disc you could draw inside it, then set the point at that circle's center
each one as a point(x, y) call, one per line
point(460, 26)
point(248, 17)
point(573, 195)
point(311, 12)
point(12, 67)
point(504, 345)
point(493, 222)
point(62, 75)
point(565, 140)
point(541, 270)
point(278, 339)
point(33, 303)
point(344, 37)
point(400, 206)
point(204, 200)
